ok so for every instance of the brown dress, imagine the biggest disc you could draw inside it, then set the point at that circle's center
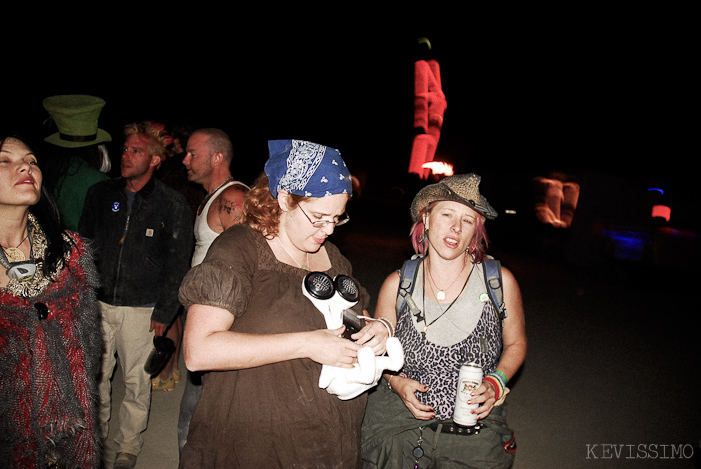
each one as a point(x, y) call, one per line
point(273, 415)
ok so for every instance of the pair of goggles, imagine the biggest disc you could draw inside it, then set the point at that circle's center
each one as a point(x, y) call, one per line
point(322, 287)
point(335, 297)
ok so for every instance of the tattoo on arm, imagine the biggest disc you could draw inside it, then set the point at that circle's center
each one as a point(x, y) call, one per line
point(230, 209)
point(228, 206)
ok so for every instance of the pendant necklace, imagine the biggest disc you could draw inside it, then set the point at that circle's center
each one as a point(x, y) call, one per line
point(290, 255)
point(15, 254)
point(423, 318)
point(440, 295)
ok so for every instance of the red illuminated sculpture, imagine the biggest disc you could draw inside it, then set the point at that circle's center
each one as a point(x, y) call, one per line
point(429, 107)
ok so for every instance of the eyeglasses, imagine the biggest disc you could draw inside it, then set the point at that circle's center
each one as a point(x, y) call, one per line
point(342, 220)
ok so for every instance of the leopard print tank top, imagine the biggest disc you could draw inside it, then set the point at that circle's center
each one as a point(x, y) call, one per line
point(437, 366)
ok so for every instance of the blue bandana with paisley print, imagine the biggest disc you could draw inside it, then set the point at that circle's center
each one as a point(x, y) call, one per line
point(307, 169)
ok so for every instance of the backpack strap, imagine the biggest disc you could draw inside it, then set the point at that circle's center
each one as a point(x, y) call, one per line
point(492, 277)
point(407, 275)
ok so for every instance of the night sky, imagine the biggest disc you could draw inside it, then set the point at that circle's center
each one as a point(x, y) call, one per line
point(528, 91)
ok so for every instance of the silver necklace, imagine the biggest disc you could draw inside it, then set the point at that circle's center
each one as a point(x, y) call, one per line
point(290, 255)
point(440, 294)
point(423, 317)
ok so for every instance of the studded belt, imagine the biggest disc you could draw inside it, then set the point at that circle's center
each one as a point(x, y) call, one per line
point(455, 429)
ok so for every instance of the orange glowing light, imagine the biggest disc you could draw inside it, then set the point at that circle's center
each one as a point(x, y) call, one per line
point(439, 167)
point(661, 211)
point(557, 201)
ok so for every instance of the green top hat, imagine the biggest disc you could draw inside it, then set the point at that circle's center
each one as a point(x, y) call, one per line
point(76, 116)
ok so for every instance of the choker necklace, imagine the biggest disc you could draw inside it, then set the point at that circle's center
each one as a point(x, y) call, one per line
point(423, 316)
point(290, 256)
point(440, 295)
point(15, 254)
point(206, 198)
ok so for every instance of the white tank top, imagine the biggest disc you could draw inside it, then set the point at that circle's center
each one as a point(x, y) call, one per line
point(204, 235)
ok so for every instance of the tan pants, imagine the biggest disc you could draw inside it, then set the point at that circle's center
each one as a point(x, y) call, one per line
point(126, 333)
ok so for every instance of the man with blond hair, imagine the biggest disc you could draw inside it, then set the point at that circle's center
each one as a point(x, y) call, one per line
point(141, 234)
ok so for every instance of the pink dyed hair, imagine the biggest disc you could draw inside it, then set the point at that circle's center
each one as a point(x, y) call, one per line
point(477, 248)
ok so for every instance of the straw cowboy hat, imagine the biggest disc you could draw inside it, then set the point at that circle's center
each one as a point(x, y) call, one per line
point(75, 116)
point(463, 188)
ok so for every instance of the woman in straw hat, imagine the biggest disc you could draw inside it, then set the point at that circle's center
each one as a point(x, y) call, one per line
point(50, 336)
point(447, 320)
point(249, 320)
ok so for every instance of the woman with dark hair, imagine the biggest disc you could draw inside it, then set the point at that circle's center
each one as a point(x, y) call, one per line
point(445, 318)
point(261, 340)
point(50, 339)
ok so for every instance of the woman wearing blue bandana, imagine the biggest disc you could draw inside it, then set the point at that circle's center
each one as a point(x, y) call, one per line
point(262, 341)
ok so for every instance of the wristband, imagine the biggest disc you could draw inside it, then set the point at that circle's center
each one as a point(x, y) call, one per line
point(502, 398)
point(498, 377)
point(498, 389)
point(501, 375)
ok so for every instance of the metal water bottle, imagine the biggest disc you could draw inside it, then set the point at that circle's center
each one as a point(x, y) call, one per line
point(469, 379)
